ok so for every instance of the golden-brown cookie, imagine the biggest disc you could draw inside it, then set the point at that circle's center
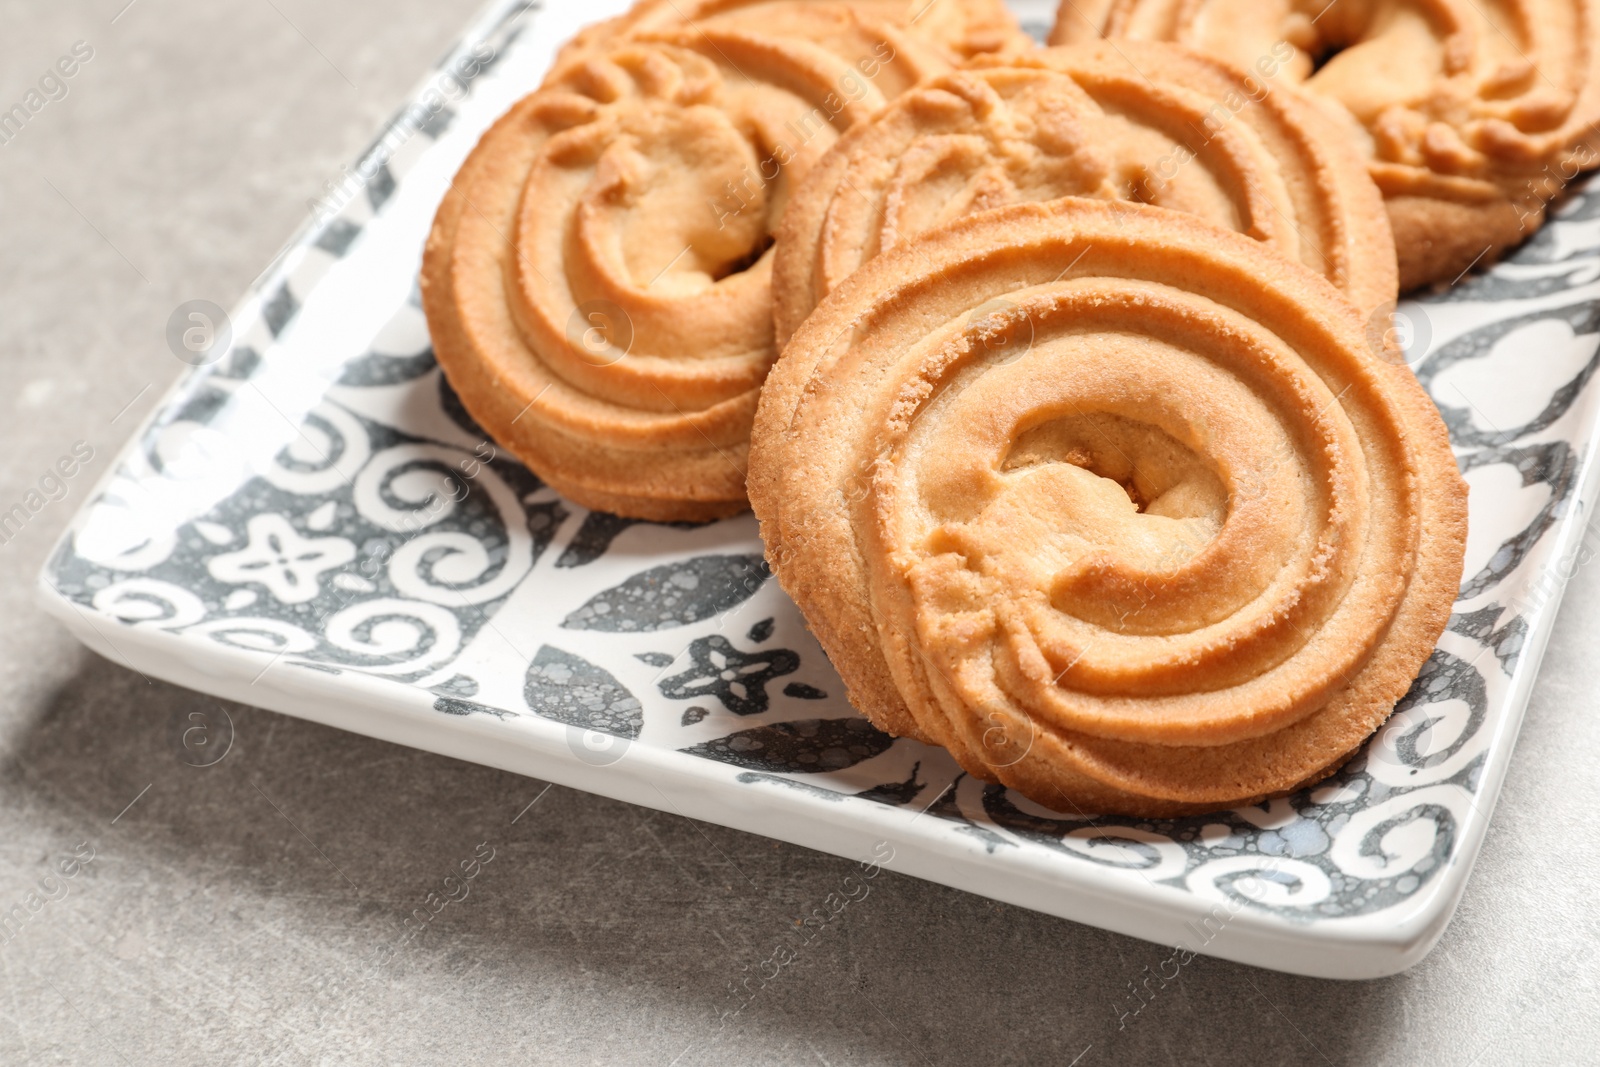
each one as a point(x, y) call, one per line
point(598, 279)
point(1135, 120)
point(1117, 506)
point(955, 29)
point(1475, 112)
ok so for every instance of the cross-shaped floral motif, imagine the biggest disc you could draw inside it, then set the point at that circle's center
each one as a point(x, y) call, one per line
point(738, 679)
point(280, 559)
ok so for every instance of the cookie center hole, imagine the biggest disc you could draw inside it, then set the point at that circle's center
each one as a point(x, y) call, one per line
point(1158, 473)
point(1321, 56)
point(744, 262)
point(1095, 463)
point(1330, 31)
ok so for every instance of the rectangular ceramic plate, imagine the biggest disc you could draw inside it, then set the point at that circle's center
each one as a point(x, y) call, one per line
point(283, 532)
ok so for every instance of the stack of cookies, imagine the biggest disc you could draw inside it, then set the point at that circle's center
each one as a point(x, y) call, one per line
point(1060, 379)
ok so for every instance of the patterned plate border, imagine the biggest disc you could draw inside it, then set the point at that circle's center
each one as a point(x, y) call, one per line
point(314, 525)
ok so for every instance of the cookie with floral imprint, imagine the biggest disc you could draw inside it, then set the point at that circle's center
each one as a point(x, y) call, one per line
point(902, 34)
point(1474, 116)
point(1129, 121)
point(598, 280)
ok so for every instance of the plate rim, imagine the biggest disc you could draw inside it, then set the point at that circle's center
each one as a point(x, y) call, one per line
point(1361, 946)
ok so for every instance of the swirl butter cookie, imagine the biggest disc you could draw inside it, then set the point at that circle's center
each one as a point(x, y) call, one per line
point(1115, 505)
point(1475, 112)
point(1132, 121)
point(952, 29)
point(598, 279)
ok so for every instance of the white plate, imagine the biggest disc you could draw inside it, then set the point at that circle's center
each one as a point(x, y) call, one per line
point(282, 533)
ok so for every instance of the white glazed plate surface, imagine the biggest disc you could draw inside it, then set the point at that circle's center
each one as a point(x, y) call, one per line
point(313, 524)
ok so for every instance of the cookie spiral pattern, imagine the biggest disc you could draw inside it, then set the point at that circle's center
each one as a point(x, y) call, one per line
point(1137, 121)
point(598, 279)
point(1115, 505)
point(1475, 112)
point(922, 31)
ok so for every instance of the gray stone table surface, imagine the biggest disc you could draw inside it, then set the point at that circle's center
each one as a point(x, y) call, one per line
point(231, 914)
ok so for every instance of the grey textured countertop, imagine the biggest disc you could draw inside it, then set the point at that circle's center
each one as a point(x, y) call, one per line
point(231, 914)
